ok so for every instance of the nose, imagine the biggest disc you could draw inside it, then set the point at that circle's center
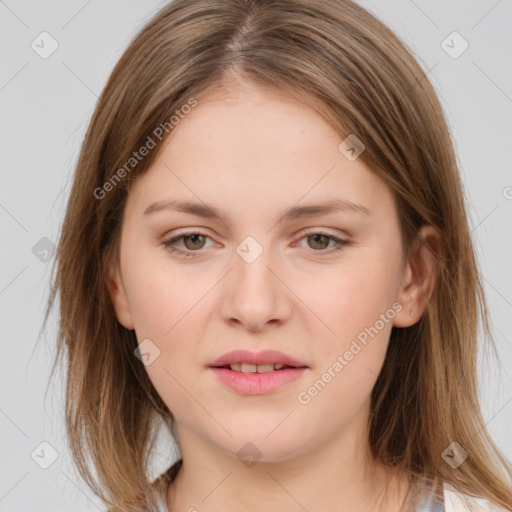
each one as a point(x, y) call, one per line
point(255, 296)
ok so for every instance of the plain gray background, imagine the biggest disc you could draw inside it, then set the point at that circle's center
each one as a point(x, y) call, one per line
point(46, 104)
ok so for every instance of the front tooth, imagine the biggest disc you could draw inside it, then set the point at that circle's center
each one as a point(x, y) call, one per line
point(278, 366)
point(235, 367)
point(264, 368)
point(248, 368)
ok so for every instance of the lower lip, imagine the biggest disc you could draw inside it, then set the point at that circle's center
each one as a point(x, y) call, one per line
point(257, 383)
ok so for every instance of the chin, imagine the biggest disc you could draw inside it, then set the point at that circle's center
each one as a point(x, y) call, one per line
point(256, 446)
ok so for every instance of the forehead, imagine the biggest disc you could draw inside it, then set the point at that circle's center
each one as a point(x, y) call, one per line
point(258, 147)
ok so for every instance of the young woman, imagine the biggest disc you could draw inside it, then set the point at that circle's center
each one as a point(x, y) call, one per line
point(266, 250)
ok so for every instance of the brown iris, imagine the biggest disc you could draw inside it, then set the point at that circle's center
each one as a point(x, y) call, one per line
point(315, 238)
point(196, 239)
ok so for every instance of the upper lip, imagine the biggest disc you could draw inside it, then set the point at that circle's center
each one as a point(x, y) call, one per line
point(263, 357)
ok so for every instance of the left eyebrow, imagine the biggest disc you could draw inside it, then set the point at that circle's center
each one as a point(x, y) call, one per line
point(291, 213)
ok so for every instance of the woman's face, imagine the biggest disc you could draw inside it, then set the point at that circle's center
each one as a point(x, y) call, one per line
point(263, 276)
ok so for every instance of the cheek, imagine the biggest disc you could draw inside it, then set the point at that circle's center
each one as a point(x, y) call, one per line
point(166, 306)
point(353, 294)
point(348, 364)
point(163, 296)
point(355, 300)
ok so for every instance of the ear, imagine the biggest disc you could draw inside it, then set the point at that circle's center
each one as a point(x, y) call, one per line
point(419, 277)
point(119, 298)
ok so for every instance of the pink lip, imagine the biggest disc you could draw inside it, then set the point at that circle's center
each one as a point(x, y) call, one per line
point(257, 383)
point(263, 357)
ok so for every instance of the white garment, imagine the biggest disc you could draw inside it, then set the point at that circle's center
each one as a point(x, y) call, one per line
point(453, 502)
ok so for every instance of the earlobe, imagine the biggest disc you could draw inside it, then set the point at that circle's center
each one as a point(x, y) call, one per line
point(419, 277)
point(119, 298)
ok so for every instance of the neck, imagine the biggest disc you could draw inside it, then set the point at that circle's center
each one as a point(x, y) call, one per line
point(335, 475)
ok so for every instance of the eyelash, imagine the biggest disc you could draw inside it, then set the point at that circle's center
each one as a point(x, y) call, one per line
point(169, 244)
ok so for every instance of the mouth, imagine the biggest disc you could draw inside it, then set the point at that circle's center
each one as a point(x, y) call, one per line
point(256, 368)
point(260, 373)
point(256, 362)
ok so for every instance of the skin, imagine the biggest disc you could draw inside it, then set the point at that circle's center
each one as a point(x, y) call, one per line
point(252, 153)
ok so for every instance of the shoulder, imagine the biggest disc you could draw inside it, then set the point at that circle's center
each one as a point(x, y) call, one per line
point(455, 501)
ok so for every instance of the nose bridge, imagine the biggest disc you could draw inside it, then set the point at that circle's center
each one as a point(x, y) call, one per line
point(255, 296)
point(251, 268)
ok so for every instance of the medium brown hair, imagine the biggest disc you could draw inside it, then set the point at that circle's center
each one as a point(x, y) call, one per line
point(338, 58)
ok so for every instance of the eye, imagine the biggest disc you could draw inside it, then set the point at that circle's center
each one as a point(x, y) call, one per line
point(195, 240)
point(320, 240)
